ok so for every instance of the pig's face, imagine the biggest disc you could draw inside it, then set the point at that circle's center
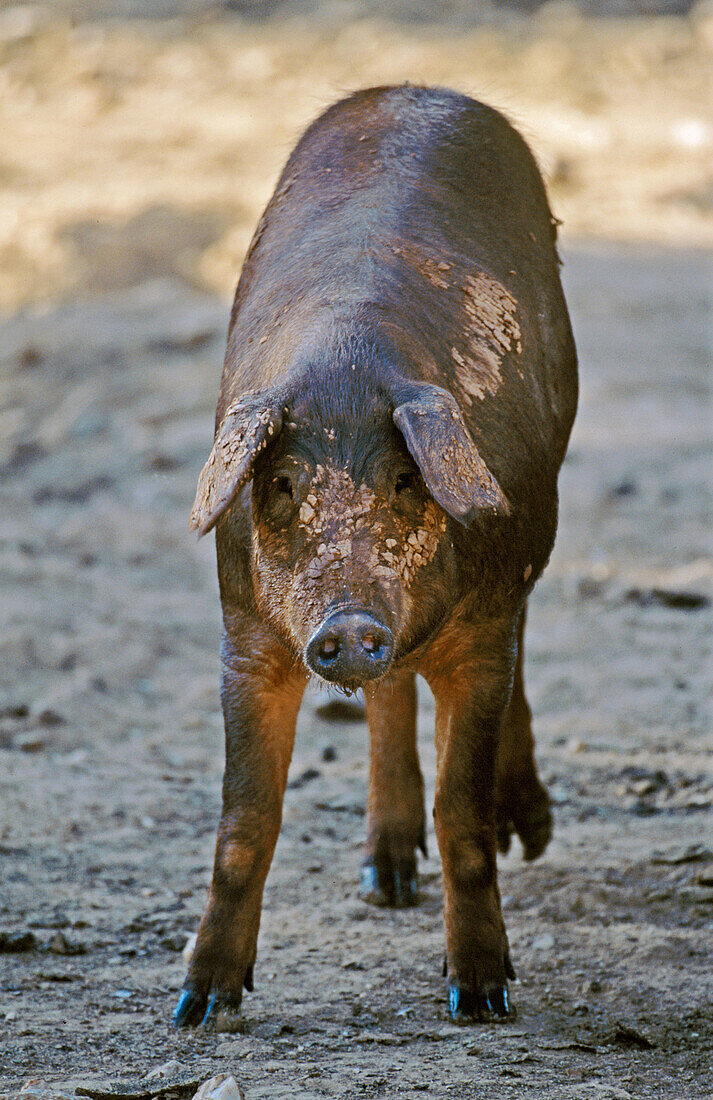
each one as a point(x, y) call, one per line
point(352, 562)
point(349, 548)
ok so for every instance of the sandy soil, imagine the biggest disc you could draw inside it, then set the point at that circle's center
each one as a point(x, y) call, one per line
point(110, 733)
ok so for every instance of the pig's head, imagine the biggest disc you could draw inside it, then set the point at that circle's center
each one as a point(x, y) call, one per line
point(352, 492)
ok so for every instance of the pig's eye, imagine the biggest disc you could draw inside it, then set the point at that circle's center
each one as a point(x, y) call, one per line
point(283, 485)
point(405, 481)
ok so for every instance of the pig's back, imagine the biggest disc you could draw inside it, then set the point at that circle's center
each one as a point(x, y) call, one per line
point(422, 213)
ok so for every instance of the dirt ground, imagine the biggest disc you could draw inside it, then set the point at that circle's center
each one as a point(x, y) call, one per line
point(134, 157)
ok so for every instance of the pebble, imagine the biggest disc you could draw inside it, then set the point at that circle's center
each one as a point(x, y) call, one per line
point(222, 1087)
point(31, 742)
point(176, 942)
point(167, 1070)
point(692, 853)
point(545, 942)
point(60, 945)
point(15, 942)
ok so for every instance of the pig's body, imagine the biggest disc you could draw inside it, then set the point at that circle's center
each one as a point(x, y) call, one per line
point(398, 392)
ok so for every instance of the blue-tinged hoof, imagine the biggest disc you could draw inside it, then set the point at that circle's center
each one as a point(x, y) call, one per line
point(223, 1013)
point(190, 1009)
point(405, 891)
point(463, 1005)
point(371, 888)
point(212, 1002)
point(395, 887)
point(498, 1002)
point(215, 1010)
point(466, 1006)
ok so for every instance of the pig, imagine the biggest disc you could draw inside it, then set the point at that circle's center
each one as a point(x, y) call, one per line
point(399, 386)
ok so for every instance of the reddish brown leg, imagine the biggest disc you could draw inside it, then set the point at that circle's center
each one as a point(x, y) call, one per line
point(522, 801)
point(261, 695)
point(469, 669)
point(396, 820)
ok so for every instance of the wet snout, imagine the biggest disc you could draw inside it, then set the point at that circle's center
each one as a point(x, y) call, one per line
point(349, 648)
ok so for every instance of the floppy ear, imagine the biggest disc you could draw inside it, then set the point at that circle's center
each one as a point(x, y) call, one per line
point(248, 426)
point(432, 425)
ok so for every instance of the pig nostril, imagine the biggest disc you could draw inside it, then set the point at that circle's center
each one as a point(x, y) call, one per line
point(372, 645)
point(329, 649)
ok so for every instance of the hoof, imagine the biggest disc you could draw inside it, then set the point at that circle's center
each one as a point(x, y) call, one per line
point(395, 888)
point(532, 822)
point(190, 1009)
point(196, 1008)
point(504, 836)
point(536, 833)
point(467, 1006)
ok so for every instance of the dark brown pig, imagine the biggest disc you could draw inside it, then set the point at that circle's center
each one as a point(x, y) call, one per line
point(398, 392)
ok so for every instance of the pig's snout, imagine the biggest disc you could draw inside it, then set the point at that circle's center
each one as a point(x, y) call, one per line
point(350, 648)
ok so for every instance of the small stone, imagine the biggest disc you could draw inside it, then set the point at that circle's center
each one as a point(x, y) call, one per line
point(167, 1070)
point(627, 1036)
point(692, 853)
point(545, 942)
point(60, 945)
point(47, 716)
point(31, 742)
point(15, 942)
point(588, 588)
point(559, 794)
point(176, 942)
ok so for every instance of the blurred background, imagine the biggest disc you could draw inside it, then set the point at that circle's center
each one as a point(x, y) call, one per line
point(139, 141)
point(142, 137)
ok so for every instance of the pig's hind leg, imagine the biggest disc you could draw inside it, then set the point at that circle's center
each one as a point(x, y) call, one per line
point(396, 818)
point(261, 694)
point(523, 805)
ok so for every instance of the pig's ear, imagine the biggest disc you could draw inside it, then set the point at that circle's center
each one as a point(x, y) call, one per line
point(248, 426)
point(432, 425)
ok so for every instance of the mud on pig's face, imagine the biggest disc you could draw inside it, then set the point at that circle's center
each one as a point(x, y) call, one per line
point(341, 549)
point(352, 562)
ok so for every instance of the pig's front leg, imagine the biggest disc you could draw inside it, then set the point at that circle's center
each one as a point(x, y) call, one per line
point(261, 693)
point(469, 669)
point(396, 825)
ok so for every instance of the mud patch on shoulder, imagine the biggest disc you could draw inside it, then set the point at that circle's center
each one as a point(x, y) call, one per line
point(436, 271)
point(491, 330)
